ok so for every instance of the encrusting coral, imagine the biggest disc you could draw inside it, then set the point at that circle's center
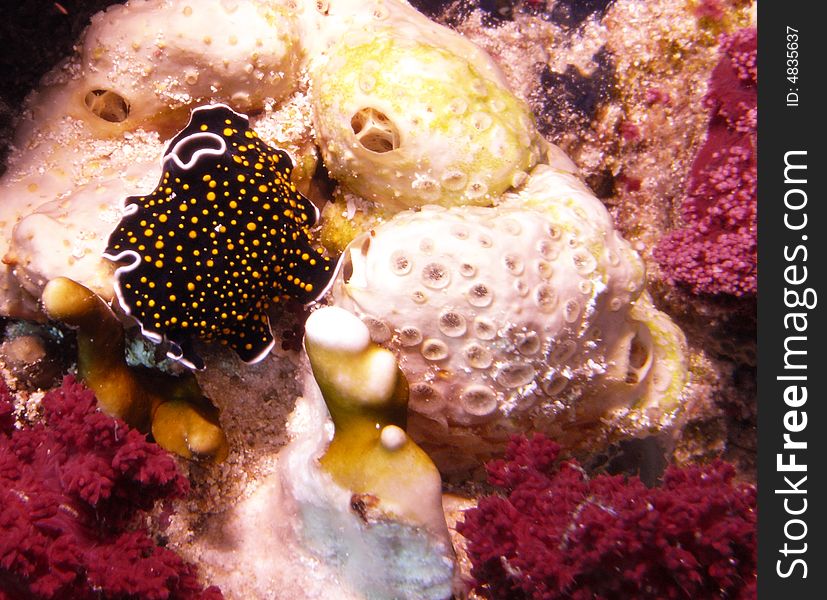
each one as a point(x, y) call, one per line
point(368, 494)
point(367, 396)
point(716, 250)
point(172, 407)
point(525, 316)
point(555, 533)
point(74, 488)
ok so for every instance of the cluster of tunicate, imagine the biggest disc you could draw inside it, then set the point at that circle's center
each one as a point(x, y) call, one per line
point(409, 113)
point(514, 318)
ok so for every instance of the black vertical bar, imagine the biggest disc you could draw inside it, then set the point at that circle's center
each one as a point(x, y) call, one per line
point(792, 478)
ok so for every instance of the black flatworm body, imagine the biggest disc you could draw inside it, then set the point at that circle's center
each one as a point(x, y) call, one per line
point(223, 237)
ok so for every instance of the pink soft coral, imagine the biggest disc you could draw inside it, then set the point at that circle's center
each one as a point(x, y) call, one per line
point(717, 250)
point(73, 489)
point(560, 535)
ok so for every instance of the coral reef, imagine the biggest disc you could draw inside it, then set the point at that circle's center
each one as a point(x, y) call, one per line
point(142, 66)
point(349, 508)
point(73, 488)
point(643, 69)
point(716, 251)
point(92, 134)
point(181, 419)
point(526, 316)
point(620, 85)
point(559, 534)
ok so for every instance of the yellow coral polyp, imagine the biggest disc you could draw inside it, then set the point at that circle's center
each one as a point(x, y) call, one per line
point(367, 396)
point(172, 407)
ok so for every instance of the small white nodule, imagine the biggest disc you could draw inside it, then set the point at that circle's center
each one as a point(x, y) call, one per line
point(392, 437)
point(337, 330)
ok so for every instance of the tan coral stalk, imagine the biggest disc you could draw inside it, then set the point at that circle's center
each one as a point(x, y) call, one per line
point(181, 419)
point(369, 500)
point(367, 396)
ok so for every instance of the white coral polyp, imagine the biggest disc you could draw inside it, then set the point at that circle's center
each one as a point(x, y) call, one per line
point(505, 319)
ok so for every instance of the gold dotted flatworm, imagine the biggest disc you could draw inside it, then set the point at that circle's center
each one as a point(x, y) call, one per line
point(223, 236)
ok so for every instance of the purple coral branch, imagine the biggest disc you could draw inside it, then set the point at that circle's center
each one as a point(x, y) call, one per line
point(73, 488)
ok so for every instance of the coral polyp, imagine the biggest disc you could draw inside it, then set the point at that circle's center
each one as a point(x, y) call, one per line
point(75, 490)
point(716, 252)
point(555, 533)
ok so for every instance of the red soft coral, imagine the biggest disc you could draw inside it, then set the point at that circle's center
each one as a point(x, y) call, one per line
point(717, 251)
point(558, 534)
point(6, 410)
point(73, 489)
